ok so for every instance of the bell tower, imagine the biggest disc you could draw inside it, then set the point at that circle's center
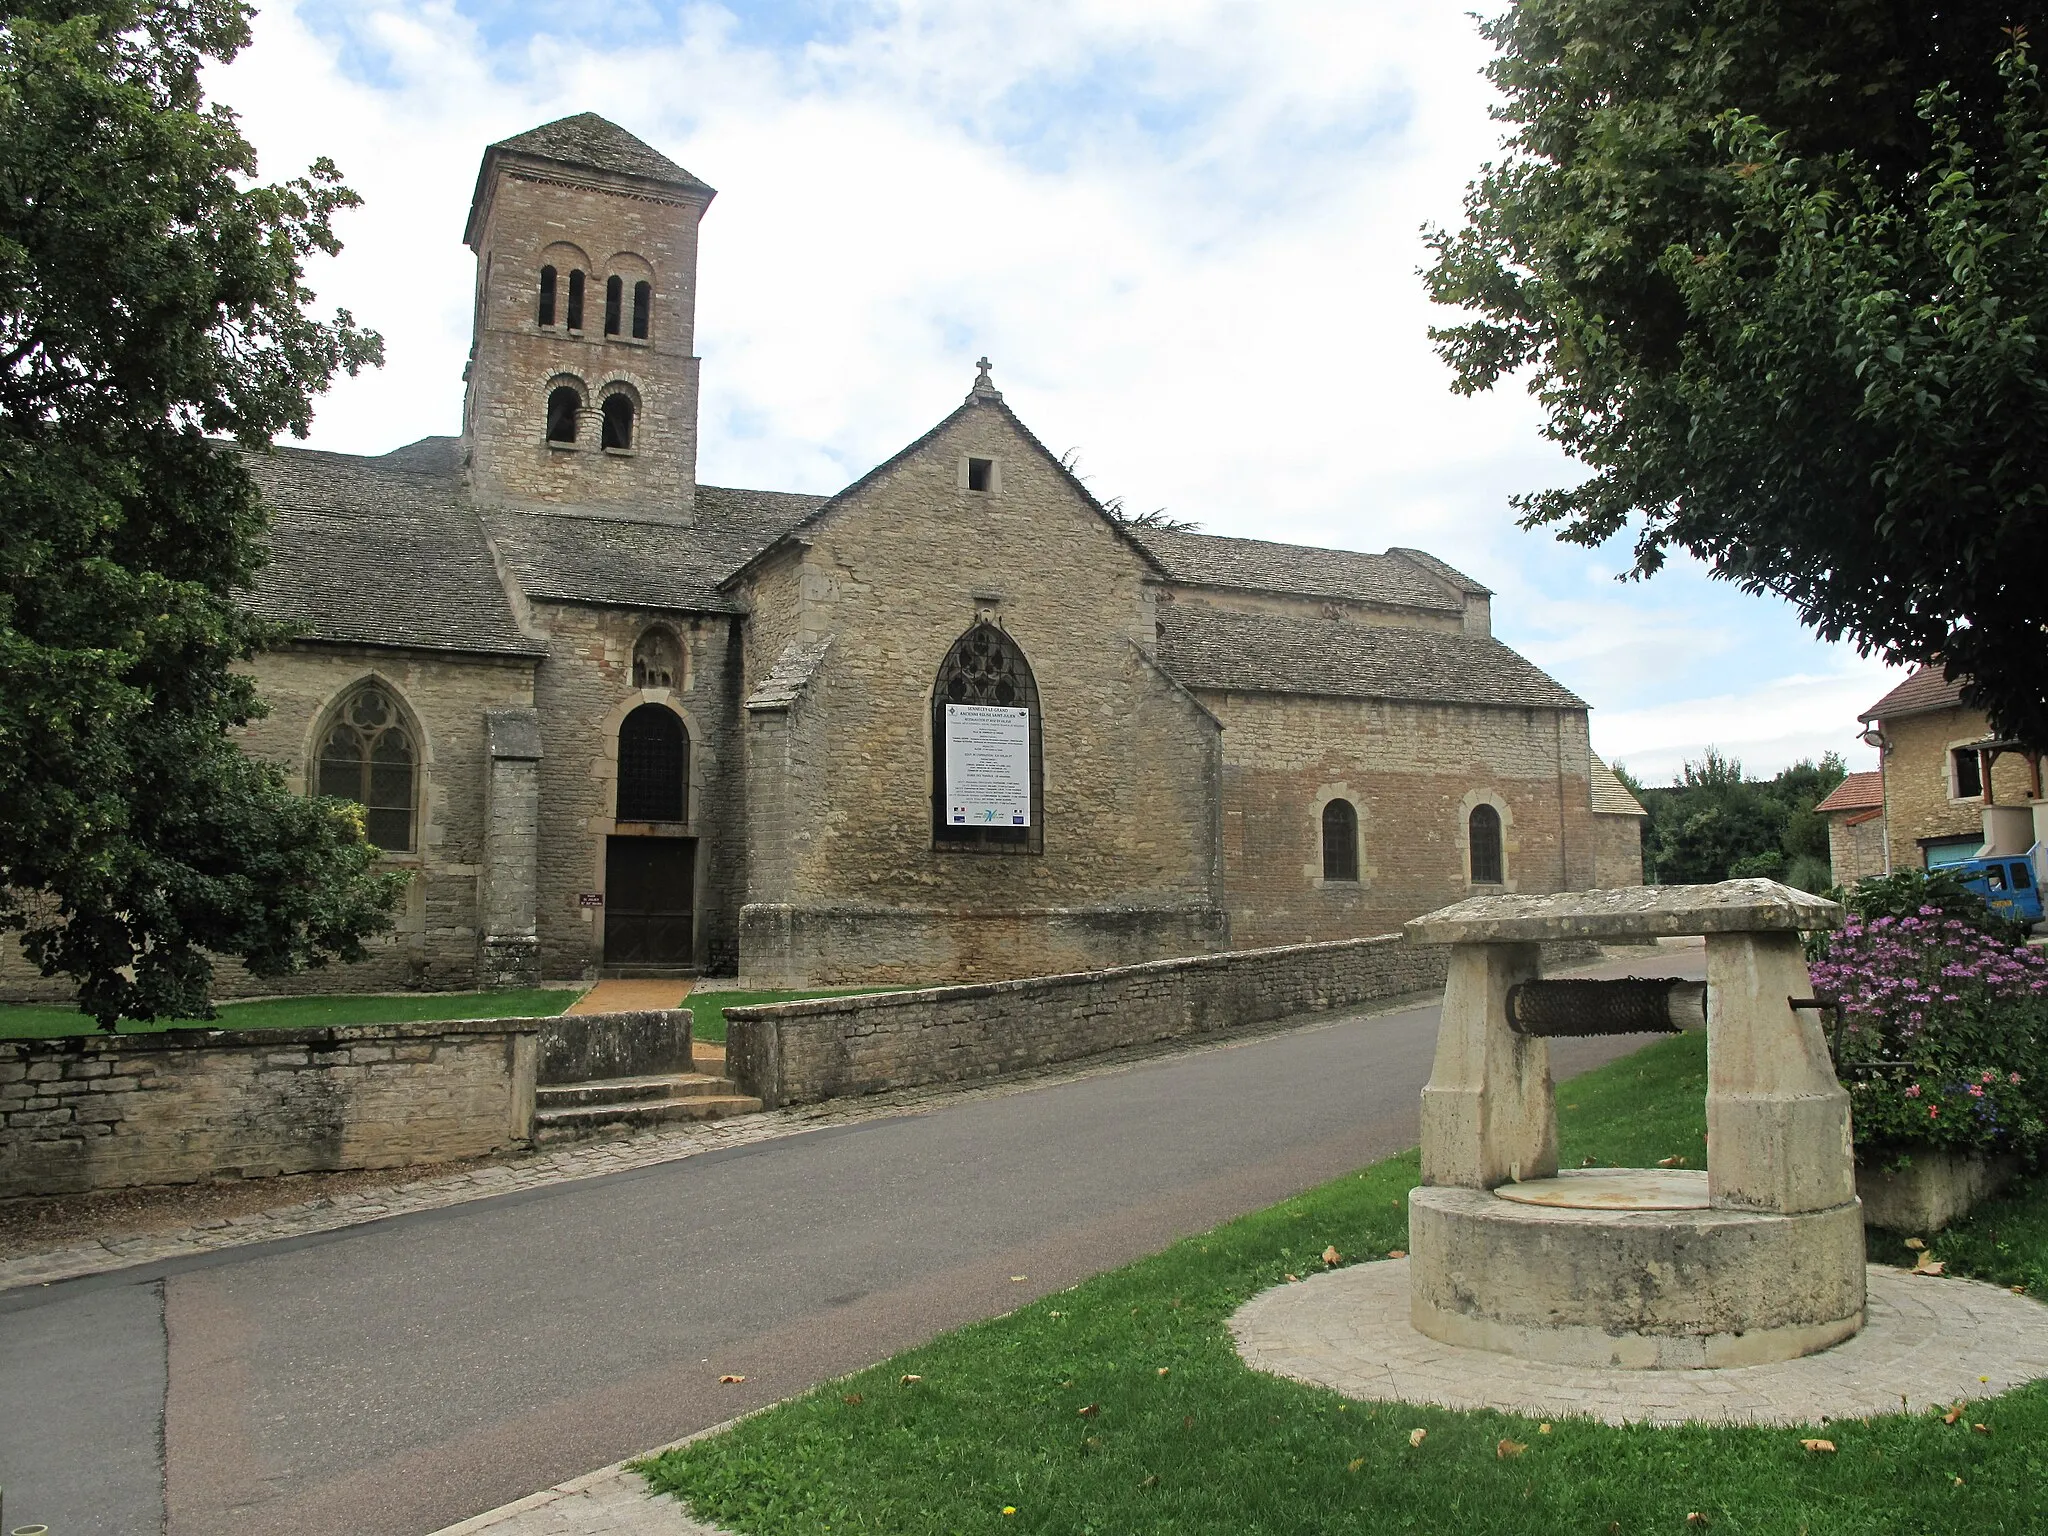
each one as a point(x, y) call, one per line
point(582, 381)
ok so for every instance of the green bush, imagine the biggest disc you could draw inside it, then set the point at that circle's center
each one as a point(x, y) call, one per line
point(1910, 892)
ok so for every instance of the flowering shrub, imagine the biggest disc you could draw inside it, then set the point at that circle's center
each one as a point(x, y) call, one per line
point(1944, 1035)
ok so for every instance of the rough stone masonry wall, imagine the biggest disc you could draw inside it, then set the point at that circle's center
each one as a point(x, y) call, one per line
point(787, 1053)
point(1916, 781)
point(584, 693)
point(895, 575)
point(433, 944)
point(105, 1112)
point(1413, 772)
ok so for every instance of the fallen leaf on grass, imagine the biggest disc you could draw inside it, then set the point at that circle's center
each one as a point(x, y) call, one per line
point(1009, 1509)
point(1332, 1257)
point(1694, 1517)
point(1953, 1414)
point(853, 1399)
point(1416, 1436)
point(1150, 1482)
point(1982, 1429)
point(1827, 1446)
point(1089, 1412)
point(1928, 1265)
point(1164, 1369)
point(1542, 1429)
point(1092, 1443)
point(2019, 1290)
point(1355, 1465)
point(1671, 1162)
point(1397, 1253)
point(1187, 1421)
point(1915, 1244)
point(1506, 1449)
point(1587, 1161)
point(729, 1381)
point(1291, 1279)
point(909, 1381)
point(1958, 1483)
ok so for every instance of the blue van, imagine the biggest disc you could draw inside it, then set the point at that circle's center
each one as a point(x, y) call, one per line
point(2006, 883)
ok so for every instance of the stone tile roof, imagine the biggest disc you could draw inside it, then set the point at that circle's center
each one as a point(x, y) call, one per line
point(791, 674)
point(368, 554)
point(1858, 792)
point(561, 557)
point(589, 140)
point(1255, 565)
point(1925, 690)
point(1266, 653)
point(1610, 795)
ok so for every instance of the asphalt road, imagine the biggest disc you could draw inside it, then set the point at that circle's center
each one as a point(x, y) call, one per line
point(390, 1379)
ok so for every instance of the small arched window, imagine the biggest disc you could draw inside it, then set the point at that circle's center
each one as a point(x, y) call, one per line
point(643, 308)
point(564, 407)
point(1340, 841)
point(1483, 831)
point(618, 421)
point(367, 755)
point(614, 300)
point(987, 670)
point(654, 765)
point(547, 295)
point(576, 300)
point(657, 660)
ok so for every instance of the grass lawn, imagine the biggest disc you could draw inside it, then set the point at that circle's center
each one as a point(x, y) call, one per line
point(1119, 1407)
point(33, 1023)
point(707, 1009)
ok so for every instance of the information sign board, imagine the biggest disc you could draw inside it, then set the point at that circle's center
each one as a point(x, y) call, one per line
point(988, 766)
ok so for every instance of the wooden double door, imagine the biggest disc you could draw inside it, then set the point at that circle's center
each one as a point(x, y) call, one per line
point(649, 891)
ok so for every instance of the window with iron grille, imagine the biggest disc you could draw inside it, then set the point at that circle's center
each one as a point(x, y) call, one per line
point(985, 666)
point(654, 766)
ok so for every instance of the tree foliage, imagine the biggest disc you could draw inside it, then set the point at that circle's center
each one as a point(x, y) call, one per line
point(1777, 271)
point(1713, 824)
point(152, 299)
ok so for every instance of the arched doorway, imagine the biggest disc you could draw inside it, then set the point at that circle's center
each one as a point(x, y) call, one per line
point(650, 864)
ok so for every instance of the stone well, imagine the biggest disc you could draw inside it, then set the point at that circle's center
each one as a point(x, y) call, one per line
point(1758, 1259)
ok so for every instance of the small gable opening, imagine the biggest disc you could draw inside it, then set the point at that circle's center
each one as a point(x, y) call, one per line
point(1340, 841)
point(1483, 831)
point(981, 474)
point(654, 765)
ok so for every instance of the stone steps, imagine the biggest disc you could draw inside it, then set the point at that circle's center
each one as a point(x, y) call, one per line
point(576, 1111)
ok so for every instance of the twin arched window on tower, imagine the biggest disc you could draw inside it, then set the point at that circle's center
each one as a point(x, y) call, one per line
point(615, 310)
point(988, 775)
point(617, 416)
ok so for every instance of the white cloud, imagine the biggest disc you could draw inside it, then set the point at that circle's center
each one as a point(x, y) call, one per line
point(1186, 232)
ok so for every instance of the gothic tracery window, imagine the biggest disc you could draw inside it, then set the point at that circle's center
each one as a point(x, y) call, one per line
point(657, 660)
point(987, 667)
point(1483, 829)
point(367, 754)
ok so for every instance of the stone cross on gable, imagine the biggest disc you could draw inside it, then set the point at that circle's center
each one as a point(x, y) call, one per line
point(984, 386)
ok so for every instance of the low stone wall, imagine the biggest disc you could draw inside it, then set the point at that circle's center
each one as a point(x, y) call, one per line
point(578, 1048)
point(1931, 1191)
point(787, 1053)
point(109, 1111)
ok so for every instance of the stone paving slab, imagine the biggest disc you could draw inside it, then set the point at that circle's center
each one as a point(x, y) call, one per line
point(611, 1501)
point(1927, 1342)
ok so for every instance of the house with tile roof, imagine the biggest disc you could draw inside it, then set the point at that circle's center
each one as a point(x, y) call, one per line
point(1951, 786)
point(1854, 811)
point(957, 721)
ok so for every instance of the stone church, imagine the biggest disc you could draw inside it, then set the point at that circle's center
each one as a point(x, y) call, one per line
point(613, 720)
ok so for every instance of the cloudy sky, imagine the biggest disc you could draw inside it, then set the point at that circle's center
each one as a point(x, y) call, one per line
point(1186, 232)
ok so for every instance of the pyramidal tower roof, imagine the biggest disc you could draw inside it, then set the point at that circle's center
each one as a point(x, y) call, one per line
point(590, 143)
